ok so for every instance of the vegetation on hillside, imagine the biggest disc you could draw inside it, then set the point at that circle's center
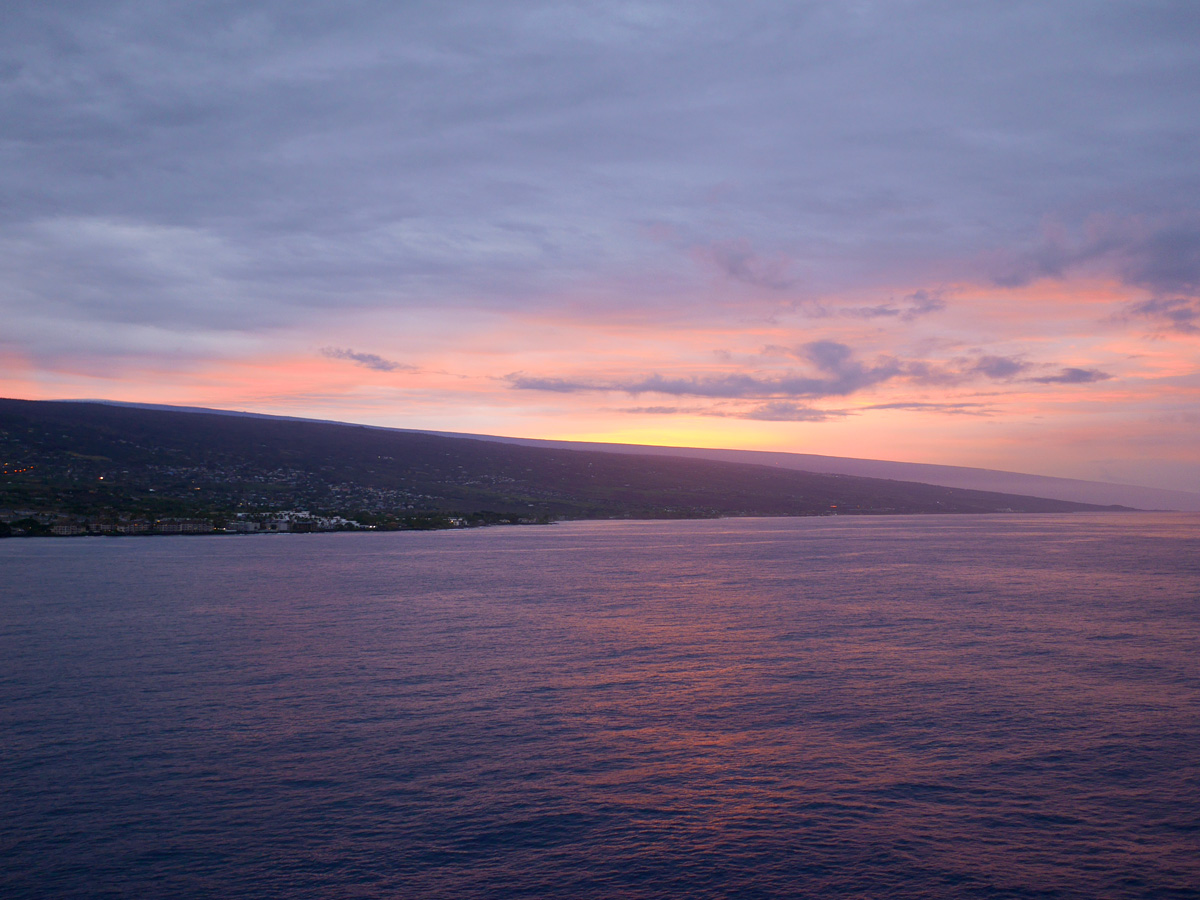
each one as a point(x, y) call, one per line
point(96, 461)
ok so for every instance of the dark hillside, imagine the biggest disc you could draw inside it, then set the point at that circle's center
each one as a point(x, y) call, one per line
point(90, 459)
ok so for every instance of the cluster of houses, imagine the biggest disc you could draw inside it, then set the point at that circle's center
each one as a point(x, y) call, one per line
point(22, 522)
point(290, 521)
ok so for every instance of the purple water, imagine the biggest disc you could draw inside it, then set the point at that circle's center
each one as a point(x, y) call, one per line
point(984, 706)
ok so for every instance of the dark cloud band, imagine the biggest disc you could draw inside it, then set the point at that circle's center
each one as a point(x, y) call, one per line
point(366, 360)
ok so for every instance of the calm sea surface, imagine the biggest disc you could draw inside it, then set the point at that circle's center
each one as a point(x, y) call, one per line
point(958, 706)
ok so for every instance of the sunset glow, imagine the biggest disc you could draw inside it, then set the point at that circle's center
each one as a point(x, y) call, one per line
point(577, 246)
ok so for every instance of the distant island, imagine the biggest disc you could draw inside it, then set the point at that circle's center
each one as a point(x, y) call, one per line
point(75, 468)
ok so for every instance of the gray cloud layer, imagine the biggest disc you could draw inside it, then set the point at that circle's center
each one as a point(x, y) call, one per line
point(250, 165)
point(1072, 375)
point(366, 360)
point(840, 374)
point(1176, 313)
point(916, 305)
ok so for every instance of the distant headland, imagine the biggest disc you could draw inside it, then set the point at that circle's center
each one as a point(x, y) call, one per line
point(75, 468)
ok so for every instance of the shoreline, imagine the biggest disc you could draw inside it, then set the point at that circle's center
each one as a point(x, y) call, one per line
point(440, 523)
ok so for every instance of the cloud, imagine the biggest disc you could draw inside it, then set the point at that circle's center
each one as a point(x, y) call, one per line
point(610, 184)
point(729, 386)
point(366, 360)
point(789, 411)
point(775, 411)
point(843, 375)
point(114, 270)
point(973, 409)
point(837, 359)
point(783, 411)
point(999, 366)
point(1072, 375)
point(662, 410)
point(919, 303)
point(738, 261)
point(722, 386)
point(277, 164)
point(840, 375)
point(1178, 313)
point(846, 374)
point(1166, 258)
point(1159, 253)
point(554, 385)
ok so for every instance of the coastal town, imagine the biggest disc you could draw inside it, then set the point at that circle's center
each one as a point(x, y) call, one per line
point(31, 523)
point(20, 523)
point(80, 469)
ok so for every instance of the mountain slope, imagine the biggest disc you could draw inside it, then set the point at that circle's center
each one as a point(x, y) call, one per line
point(91, 459)
point(1072, 489)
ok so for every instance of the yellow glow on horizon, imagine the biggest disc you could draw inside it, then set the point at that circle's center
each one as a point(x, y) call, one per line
point(456, 375)
point(713, 438)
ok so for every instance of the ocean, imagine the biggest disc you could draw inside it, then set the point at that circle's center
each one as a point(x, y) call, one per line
point(941, 706)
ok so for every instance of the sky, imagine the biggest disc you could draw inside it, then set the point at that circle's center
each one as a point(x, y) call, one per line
point(951, 232)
